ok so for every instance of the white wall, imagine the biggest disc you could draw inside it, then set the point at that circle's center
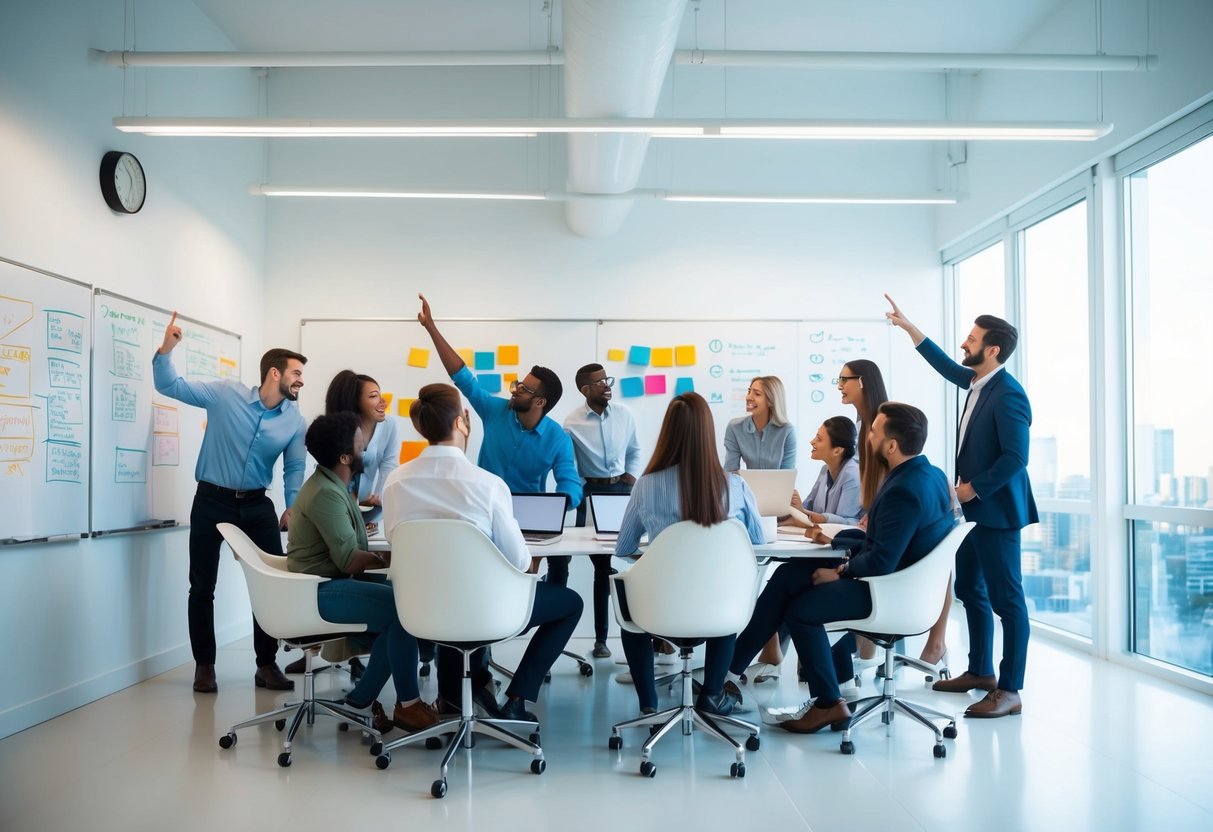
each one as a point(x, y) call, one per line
point(85, 619)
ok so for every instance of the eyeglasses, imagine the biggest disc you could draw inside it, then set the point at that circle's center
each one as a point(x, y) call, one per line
point(519, 387)
point(840, 379)
point(607, 382)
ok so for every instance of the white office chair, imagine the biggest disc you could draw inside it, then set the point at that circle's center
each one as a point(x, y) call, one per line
point(454, 587)
point(692, 583)
point(284, 604)
point(904, 603)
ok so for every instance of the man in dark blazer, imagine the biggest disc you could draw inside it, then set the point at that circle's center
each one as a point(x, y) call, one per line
point(993, 488)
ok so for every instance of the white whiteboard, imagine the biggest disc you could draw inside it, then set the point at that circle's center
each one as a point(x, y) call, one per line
point(44, 404)
point(145, 446)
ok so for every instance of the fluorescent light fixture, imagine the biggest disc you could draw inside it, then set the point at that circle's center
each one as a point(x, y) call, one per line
point(889, 199)
point(799, 129)
point(938, 198)
point(383, 193)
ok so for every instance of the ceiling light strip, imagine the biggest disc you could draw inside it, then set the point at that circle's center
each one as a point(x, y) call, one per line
point(347, 192)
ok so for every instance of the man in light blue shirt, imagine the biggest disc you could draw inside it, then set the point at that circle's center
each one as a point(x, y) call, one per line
point(247, 429)
point(608, 457)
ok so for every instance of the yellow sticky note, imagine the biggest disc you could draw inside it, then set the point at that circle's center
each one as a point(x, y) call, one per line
point(663, 357)
point(615, 355)
point(419, 357)
point(508, 378)
point(684, 356)
point(507, 354)
point(403, 406)
point(468, 356)
point(387, 399)
point(411, 450)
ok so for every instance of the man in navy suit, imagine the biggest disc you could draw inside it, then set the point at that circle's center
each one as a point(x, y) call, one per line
point(993, 489)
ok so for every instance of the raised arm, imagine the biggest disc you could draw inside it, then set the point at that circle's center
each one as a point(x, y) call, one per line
point(451, 362)
point(958, 374)
point(165, 377)
point(899, 320)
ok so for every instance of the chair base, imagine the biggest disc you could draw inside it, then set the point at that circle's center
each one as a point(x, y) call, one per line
point(583, 666)
point(887, 704)
point(689, 717)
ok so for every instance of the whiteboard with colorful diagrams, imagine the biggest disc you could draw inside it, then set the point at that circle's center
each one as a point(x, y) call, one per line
point(44, 402)
point(145, 446)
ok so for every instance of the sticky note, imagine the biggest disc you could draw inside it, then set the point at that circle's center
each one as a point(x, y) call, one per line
point(684, 356)
point(411, 450)
point(403, 406)
point(489, 382)
point(387, 399)
point(509, 378)
point(507, 354)
point(639, 355)
point(467, 355)
point(663, 356)
point(615, 355)
point(485, 361)
point(631, 386)
point(654, 385)
point(419, 357)
point(684, 384)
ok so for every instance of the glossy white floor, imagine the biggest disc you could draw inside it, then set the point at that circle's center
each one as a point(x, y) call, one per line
point(1098, 747)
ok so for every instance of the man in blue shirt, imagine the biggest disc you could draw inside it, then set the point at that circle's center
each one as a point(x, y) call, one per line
point(247, 429)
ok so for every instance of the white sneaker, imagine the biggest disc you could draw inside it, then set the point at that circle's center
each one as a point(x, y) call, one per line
point(624, 678)
point(787, 712)
point(666, 659)
point(849, 690)
point(761, 672)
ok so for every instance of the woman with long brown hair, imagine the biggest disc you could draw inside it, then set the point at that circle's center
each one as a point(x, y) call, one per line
point(685, 481)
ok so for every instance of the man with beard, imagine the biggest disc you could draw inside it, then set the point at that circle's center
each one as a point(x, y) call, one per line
point(909, 517)
point(993, 488)
point(247, 429)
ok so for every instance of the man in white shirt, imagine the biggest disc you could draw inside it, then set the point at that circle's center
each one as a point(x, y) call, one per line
point(442, 483)
point(608, 459)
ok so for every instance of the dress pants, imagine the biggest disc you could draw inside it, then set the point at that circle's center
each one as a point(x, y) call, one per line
point(989, 581)
point(638, 648)
point(556, 611)
point(602, 563)
point(253, 515)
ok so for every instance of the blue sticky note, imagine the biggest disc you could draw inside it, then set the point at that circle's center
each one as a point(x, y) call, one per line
point(485, 360)
point(684, 384)
point(639, 355)
point(631, 386)
point(490, 382)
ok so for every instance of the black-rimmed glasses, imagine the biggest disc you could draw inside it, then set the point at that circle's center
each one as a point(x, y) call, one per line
point(519, 387)
point(840, 379)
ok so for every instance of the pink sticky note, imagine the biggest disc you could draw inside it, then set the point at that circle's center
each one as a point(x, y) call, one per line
point(654, 385)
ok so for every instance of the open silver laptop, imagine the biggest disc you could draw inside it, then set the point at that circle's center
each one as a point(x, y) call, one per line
point(608, 514)
point(772, 488)
point(540, 516)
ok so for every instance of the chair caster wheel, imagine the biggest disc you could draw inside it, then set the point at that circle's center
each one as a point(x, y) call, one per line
point(438, 789)
point(383, 761)
point(587, 669)
point(886, 718)
point(846, 747)
point(940, 751)
point(648, 769)
point(280, 724)
point(950, 732)
point(284, 759)
point(538, 766)
point(614, 743)
point(227, 740)
point(752, 743)
point(433, 743)
point(737, 770)
point(534, 737)
point(376, 749)
point(424, 670)
point(547, 678)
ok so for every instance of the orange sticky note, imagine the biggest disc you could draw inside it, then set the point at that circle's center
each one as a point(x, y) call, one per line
point(507, 354)
point(468, 356)
point(663, 357)
point(387, 398)
point(615, 355)
point(508, 378)
point(403, 406)
point(419, 357)
point(411, 450)
point(684, 356)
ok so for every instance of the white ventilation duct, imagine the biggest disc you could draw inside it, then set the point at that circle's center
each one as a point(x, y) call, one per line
point(616, 56)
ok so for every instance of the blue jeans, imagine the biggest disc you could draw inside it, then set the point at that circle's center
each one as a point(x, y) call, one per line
point(369, 600)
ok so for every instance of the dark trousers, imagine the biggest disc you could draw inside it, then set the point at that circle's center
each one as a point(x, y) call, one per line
point(556, 611)
point(790, 597)
point(255, 517)
point(638, 648)
point(602, 563)
point(989, 582)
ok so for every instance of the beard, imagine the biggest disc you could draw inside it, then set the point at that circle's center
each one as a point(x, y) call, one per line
point(287, 392)
point(973, 359)
point(518, 406)
point(356, 466)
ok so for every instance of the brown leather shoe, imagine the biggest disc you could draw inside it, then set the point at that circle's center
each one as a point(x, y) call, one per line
point(998, 702)
point(380, 721)
point(420, 714)
point(204, 679)
point(966, 682)
point(816, 718)
point(269, 676)
point(297, 666)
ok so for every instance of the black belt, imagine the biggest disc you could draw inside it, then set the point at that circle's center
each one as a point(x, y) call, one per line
point(220, 491)
point(604, 480)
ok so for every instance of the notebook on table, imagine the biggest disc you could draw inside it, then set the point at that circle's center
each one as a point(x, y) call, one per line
point(607, 510)
point(540, 516)
point(772, 489)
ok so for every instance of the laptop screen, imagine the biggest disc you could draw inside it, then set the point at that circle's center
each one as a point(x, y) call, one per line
point(539, 513)
point(772, 488)
point(608, 511)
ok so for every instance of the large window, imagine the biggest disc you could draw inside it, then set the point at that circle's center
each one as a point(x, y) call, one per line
point(980, 288)
point(1169, 261)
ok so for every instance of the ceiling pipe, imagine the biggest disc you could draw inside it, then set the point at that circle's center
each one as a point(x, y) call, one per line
point(906, 61)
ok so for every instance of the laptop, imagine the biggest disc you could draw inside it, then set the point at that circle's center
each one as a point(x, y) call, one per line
point(540, 516)
point(772, 489)
point(608, 514)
